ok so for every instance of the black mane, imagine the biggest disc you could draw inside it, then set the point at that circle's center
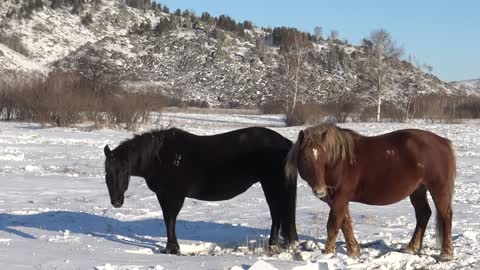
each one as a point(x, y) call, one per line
point(143, 147)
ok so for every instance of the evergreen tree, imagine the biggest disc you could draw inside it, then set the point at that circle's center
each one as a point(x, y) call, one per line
point(206, 17)
point(186, 13)
point(248, 25)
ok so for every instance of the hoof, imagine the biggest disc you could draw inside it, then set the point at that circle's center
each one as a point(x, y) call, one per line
point(409, 250)
point(292, 245)
point(272, 242)
point(274, 249)
point(445, 257)
point(329, 251)
point(171, 249)
point(353, 253)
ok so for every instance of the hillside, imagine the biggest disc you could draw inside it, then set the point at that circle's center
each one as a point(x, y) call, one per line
point(192, 61)
point(468, 86)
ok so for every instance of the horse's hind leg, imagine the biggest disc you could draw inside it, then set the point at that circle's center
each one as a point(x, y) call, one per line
point(171, 205)
point(422, 214)
point(442, 198)
point(352, 246)
point(272, 195)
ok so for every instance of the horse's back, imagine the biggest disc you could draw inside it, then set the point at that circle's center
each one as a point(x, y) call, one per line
point(419, 143)
point(228, 164)
point(252, 138)
point(424, 147)
point(434, 156)
point(400, 161)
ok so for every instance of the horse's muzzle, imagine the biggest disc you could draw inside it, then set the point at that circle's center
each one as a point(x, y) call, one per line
point(319, 192)
point(117, 204)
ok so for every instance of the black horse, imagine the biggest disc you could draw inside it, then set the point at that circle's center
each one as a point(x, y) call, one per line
point(177, 164)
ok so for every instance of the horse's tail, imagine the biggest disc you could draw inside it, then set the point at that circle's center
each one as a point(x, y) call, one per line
point(288, 226)
point(452, 173)
point(291, 167)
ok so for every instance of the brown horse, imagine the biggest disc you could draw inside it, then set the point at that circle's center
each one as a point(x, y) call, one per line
point(341, 165)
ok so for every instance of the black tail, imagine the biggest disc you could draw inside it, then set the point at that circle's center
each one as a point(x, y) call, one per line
point(288, 228)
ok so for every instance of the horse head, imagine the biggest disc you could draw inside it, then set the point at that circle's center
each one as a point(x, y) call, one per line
point(311, 164)
point(317, 149)
point(117, 176)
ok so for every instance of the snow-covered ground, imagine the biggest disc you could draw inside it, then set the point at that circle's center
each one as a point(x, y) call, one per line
point(55, 212)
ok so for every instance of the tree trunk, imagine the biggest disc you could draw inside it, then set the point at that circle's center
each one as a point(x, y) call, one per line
point(379, 98)
point(379, 107)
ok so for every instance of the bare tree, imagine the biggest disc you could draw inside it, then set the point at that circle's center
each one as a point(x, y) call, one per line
point(317, 32)
point(334, 35)
point(293, 59)
point(382, 56)
point(427, 68)
point(96, 68)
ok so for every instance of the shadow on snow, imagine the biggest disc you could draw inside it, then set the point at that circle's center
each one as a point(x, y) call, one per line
point(135, 232)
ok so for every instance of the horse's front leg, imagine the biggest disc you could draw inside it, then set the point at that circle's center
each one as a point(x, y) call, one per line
point(353, 249)
point(171, 204)
point(338, 209)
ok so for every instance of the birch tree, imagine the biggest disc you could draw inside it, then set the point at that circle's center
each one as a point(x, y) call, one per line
point(294, 56)
point(317, 32)
point(382, 56)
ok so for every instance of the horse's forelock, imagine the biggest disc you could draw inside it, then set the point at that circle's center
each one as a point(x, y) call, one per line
point(337, 143)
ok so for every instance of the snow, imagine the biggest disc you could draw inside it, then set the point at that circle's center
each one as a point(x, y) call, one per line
point(55, 211)
point(469, 83)
point(12, 60)
point(52, 34)
point(470, 87)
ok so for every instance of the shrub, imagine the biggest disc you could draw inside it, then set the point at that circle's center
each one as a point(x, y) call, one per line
point(133, 109)
point(468, 107)
point(163, 26)
point(65, 98)
point(272, 107)
point(435, 108)
point(306, 114)
point(340, 110)
point(87, 19)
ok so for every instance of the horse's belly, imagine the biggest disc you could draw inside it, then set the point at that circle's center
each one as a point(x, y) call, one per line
point(392, 194)
point(220, 189)
point(379, 200)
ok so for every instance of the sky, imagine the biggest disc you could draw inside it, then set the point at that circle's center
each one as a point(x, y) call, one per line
point(443, 34)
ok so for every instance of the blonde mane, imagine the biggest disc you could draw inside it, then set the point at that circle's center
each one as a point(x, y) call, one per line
point(337, 143)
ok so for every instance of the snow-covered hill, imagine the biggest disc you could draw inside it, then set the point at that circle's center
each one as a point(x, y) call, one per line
point(194, 61)
point(469, 86)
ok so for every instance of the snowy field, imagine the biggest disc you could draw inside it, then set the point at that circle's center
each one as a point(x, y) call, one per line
point(55, 212)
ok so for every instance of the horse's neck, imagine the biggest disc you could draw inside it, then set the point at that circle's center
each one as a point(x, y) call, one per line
point(141, 162)
point(336, 172)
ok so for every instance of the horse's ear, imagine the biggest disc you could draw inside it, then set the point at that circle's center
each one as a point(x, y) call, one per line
point(301, 134)
point(107, 151)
